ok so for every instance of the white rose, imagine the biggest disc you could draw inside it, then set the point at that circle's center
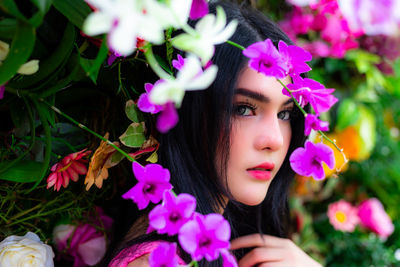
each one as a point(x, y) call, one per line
point(25, 251)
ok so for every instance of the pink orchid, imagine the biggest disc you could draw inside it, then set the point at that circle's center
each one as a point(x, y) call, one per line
point(198, 9)
point(164, 256)
point(168, 117)
point(265, 58)
point(309, 91)
point(295, 58)
point(174, 212)
point(205, 236)
point(153, 180)
point(308, 161)
point(312, 122)
point(343, 216)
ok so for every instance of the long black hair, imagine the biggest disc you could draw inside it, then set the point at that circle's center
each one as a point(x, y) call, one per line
point(205, 120)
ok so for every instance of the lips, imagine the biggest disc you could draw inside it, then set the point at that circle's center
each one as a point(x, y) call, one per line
point(262, 171)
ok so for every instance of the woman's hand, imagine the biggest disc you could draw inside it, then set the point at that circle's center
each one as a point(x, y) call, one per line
point(272, 251)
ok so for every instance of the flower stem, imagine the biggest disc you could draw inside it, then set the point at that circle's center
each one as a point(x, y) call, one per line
point(235, 45)
point(154, 64)
point(88, 130)
point(294, 99)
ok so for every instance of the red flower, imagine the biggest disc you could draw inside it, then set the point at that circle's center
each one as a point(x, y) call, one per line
point(69, 168)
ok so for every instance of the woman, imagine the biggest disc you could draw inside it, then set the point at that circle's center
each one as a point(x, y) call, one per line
point(230, 150)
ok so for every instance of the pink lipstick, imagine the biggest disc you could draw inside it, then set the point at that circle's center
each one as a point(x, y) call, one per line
point(262, 171)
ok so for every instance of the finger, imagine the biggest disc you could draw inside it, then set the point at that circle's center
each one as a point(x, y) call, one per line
point(262, 255)
point(257, 240)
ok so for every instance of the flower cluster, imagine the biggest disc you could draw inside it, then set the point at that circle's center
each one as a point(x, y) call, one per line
point(340, 23)
point(202, 236)
point(291, 60)
point(370, 214)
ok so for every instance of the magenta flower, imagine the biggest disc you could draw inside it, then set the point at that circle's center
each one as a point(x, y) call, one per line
point(309, 91)
point(174, 212)
point(153, 180)
point(164, 256)
point(312, 122)
point(295, 58)
point(144, 103)
point(205, 236)
point(168, 118)
point(198, 9)
point(308, 161)
point(2, 89)
point(265, 58)
point(178, 63)
point(228, 259)
point(343, 216)
point(373, 216)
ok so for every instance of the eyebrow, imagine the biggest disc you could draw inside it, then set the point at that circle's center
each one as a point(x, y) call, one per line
point(257, 96)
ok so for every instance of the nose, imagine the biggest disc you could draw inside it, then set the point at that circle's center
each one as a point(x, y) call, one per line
point(269, 135)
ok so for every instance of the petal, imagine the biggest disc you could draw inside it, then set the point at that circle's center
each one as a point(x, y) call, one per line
point(204, 80)
point(198, 9)
point(92, 251)
point(122, 38)
point(168, 118)
point(97, 23)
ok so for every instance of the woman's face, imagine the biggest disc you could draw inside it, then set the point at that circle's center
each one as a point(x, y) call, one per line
point(260, 136)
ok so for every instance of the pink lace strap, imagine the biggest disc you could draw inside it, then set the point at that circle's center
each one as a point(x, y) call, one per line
point(131, 253)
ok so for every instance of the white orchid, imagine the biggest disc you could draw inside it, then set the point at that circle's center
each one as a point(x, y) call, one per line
point(210, 30)
point(173, 13)
point(124, 21)
point(190, 77)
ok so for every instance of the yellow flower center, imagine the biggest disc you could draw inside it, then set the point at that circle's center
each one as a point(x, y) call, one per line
point(341, 216)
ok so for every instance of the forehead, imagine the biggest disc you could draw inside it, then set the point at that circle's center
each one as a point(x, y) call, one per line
point(254, 81)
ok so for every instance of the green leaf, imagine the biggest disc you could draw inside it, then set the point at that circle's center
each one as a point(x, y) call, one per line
point(20, 50)
point(42, 5)
point(92, 67)
point(348, 114)
point(7, 28)
point(75, 10)
point(134, 135)
point(10, 7)
point(364, 61)
point(48, 66)
point(22, 172)
point(132, 111)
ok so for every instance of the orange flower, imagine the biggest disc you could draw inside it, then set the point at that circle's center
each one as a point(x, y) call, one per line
point(100, 163)
point(69, 168)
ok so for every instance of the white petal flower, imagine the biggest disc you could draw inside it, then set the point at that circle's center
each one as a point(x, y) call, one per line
point(4, 49)
point(173, 13)
point(210, 30)
point(25, 250)
point(29, 68)
point(190, 77)
point(124, 21)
